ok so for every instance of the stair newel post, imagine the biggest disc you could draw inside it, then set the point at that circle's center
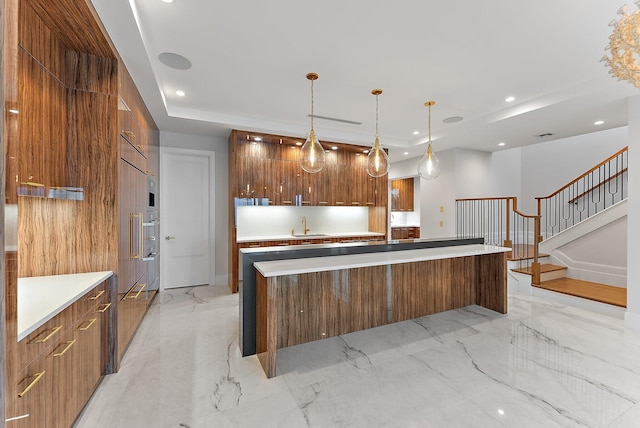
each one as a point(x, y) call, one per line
point(507, 241)
point(535, 265)
point(539, 233)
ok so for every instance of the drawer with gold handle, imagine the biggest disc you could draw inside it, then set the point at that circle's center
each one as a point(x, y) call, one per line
point(68, 343)
point(135, 296)
point(52, 333)
point(35, 379)
point(97, 296)
point(88, 325)
point(104, 308)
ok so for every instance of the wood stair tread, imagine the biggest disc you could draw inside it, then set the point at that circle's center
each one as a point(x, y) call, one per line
point(588, 290)
point(544, 268)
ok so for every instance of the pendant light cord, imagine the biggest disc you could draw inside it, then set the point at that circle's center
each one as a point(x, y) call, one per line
point(377, 135)
point(312, 105)
point(429, 123)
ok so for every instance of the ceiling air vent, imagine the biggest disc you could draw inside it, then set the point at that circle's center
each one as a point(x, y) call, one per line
point(546, 134)
point(351, 122)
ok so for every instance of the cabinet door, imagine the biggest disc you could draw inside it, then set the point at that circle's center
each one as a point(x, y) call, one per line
point(61, 401)
point(30, 125)
point(25, 400)
point(87, 356)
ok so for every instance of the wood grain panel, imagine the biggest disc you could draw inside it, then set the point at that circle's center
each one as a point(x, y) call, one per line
point(30, 120)
point(91, 73)
point(261, 313)
point(491, 282)
point(37, 39)
point(378, 220)
point(77, 24)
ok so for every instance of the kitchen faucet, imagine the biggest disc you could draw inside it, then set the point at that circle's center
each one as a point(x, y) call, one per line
point(304, 224)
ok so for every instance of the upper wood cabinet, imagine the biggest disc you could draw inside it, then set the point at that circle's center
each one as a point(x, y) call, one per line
point(268, 172)
point(402, 194)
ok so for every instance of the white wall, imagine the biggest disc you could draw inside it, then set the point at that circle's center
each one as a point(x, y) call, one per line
point(221, 147)
point(506, 173)
point(545, 168)
point(589, 249)
point(632, 316)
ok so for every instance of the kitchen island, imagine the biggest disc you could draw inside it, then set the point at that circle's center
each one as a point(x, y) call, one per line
point(308, 299)
point(249, 256)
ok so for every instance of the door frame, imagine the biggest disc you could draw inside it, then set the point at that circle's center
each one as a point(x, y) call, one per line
point(211, 155)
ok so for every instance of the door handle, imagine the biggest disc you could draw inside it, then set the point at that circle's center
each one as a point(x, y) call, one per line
point(168, 238)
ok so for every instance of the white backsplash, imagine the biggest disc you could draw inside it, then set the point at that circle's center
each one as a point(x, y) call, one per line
point(279, 220)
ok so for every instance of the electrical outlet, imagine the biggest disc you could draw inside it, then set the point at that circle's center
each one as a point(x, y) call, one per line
point(441, 223)
point(441, 209)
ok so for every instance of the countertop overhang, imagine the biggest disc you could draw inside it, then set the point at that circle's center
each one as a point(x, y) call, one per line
point(40, 298)
point(351, 261)
point(319, 235)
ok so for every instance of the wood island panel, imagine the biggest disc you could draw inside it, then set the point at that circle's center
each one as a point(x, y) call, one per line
point(295, 309)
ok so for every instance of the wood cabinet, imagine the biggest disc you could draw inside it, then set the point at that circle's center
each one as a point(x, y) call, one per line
point(59, 366)
point(138, 152)
point(408, 232)
point(402, 194)
point(268, 172)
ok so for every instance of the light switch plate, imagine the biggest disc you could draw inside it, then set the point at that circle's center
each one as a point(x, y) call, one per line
point(441, 209)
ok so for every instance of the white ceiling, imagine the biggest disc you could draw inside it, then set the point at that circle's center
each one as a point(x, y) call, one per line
point(250, 58)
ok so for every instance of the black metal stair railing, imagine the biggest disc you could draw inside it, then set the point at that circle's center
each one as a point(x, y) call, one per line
point(487, 218)
point(602, 186)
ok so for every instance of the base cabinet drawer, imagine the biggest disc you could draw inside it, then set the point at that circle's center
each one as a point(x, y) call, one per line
point(61, 407)
point(25, 407)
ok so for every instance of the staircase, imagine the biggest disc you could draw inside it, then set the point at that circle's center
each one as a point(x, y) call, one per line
point(536, 263)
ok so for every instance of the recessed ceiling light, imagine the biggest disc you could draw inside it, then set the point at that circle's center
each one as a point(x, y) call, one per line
point(13, 111)
point(334, 147)
point(501, 144)
point(509, 99)
point(598, 122)
point(416, 132)
point(168, 1)
point(180, 93)
point(257, 138)
point(405, 153)
point(365, 151)
point(298, 143)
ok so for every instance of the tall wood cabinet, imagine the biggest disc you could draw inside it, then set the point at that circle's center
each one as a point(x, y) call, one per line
point(63, 80)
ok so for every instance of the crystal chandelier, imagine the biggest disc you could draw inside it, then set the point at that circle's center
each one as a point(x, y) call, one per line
point(624, 46)
point(312, 154)
point(377, 159)
point(429, 165)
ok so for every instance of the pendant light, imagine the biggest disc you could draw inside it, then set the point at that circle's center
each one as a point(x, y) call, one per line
point(429, 165)
point(377, 159)
point(311, 154)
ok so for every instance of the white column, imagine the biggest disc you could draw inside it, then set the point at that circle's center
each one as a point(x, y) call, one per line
point(632, 316)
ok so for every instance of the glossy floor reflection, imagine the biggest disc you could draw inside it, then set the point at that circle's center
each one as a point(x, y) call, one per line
point(544, 364)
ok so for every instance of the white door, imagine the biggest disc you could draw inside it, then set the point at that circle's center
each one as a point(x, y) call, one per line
point(186, 198)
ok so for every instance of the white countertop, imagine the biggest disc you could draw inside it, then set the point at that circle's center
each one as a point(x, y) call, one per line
point(261, 238)
point(404, 225)
point(328, 263)
point(41, 298)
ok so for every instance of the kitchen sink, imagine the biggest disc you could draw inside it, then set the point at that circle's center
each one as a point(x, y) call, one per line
point(310, 235)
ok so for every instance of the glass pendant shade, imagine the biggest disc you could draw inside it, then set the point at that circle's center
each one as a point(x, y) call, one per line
point(429, 165)
point(377, 161)
point(312, 154)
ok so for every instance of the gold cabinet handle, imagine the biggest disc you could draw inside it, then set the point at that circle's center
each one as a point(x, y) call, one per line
point(88, 326)
point(97, 296)
point(66, 348)
point(36, 378)
point(33, 184)
point(142, 286)
point(104, 309)
point(50, 335)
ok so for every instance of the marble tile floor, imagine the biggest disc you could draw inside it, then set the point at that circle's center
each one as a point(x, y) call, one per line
point(544, 364)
